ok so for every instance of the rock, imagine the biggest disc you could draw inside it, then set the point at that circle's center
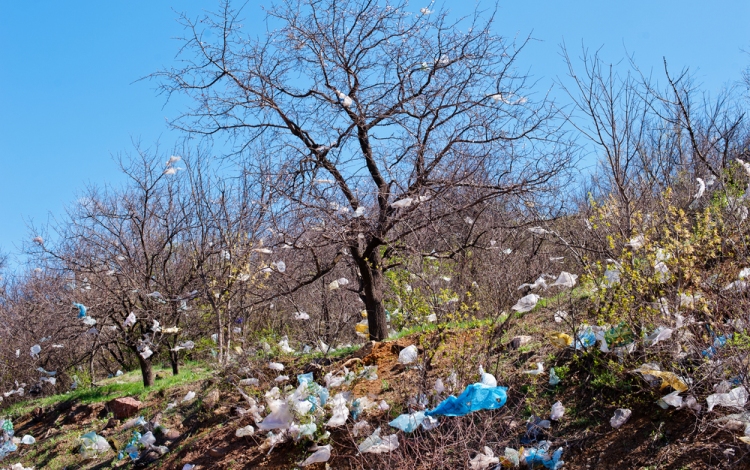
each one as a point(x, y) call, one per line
point(123, 408)
point(211, 399)
point(519, 341)
point(112, 423)
point(171, 435)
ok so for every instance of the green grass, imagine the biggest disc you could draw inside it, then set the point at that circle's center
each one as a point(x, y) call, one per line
point(128, 384)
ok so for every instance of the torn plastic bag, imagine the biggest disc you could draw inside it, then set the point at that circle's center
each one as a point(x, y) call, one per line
point(81, 309)
point(92, 445)
point(408, 422)
point(408, 355)
point(538, 371)
point(661, 333)
point(484, 460)
point(476, 397)
point(735, 398)
point(512, 458)
point(621, 416)
point(585, 338)
point(322, 454)
point(374, 444)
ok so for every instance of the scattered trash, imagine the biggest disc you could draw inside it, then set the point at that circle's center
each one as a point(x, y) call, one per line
point(189, 396)
point(28, 440)
point(672, 399)
point(560, 316)
point(35, 350)
point(408, 422)
point(621, 416)
point(561, 340)
point(276, 366)
point(668, 379)
point(538, 371)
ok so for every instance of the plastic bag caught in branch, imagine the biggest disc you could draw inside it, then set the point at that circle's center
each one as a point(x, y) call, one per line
point(735, 398)
point(475, 397)
point(408, 355)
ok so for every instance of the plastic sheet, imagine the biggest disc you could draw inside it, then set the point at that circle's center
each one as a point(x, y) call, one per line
point(476, 397)
point(279, 418)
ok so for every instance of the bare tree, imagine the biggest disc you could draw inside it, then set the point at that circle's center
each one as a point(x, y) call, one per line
point(371, 118)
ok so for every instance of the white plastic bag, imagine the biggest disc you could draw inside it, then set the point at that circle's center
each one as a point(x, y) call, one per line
point(408, 355)
point(322, 454)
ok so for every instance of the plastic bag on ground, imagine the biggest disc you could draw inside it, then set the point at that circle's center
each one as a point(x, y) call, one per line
point(735, 398)
point(512, 458)
point(538, 371)
point(408, 422)
point(28, 440)
point(484, 460)
point(408, 355)
point(322, 454)
point(526, 303)
point(475, 397)
point(561, 340)
point(621, 416)
point(189, 396)
point(374, 444)
point(92, 445)
point(362, 427)
point(148, 439)
point(558, 410)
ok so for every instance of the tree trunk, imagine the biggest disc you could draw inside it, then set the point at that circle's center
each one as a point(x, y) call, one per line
point(373, 285)
point(146, 371)
point(175, 362)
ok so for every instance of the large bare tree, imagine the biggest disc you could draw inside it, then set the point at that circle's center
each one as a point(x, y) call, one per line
point(372, 120)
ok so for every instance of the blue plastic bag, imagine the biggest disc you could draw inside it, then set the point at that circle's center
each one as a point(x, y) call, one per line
point(81, 309)
point(540, 456)
point(305, 378)
point(476, 397)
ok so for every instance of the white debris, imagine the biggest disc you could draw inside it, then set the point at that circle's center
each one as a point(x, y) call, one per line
point(735, 398)
point(189, 396)
point(322, 454)
point(301, 316)
point(484, 460)
point(374, 444)
point(276, 366)
point(620, 417)
point(486, 378)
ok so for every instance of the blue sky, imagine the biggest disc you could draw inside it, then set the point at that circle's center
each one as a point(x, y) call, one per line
point(69, 99)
